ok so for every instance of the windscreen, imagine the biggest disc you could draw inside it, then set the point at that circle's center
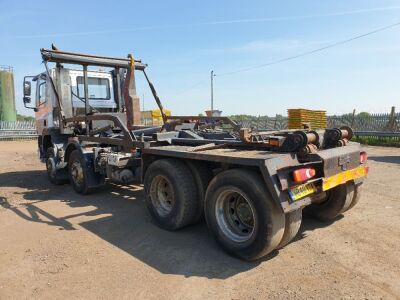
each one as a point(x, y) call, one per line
point(99, 88)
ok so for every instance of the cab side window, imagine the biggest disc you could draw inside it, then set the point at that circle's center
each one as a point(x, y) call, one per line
point(42, 93)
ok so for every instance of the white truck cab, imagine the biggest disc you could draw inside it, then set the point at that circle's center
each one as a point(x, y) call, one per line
point(99, 99)
point(100, 90)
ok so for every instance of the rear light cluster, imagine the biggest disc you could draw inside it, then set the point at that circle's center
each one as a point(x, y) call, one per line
point(301, 175)
point(363, 157)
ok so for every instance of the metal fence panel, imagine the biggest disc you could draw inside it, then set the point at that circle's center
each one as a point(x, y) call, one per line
point(380, 125)
point(17, 130)
point(386, 125)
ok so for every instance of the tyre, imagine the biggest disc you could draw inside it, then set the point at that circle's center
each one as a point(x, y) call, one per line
point(241, 214)
point(55, 176)
point(202, 176)
point(81, 174)
point(171, 194)
point(292, 226)
point(356, 195)
point(337, 201)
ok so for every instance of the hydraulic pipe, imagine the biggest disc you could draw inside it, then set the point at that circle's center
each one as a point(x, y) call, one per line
point(154, 92)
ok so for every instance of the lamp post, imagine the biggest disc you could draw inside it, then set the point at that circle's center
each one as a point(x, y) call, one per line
point(212, 92)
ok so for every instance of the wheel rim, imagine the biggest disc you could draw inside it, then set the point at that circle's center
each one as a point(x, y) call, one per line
point(77, 172)
point(51, 167)
point(235, 215)
point(162, 195)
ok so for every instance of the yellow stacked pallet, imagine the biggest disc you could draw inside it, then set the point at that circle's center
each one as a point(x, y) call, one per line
point(153, 117)
point(297, 117)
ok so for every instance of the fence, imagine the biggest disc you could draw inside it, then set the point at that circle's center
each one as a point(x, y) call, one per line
point(379, 125)
point(262, 123)
point(375, 125)
point(363, 123)
point(17, 130)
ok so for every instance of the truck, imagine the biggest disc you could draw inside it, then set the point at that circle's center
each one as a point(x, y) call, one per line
point(251, 187)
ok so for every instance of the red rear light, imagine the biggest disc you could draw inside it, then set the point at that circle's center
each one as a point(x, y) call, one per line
point(301, 175)
point(363, 157)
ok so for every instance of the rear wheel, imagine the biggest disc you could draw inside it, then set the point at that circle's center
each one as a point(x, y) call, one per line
point(81, 174)
point(55, 176)
point(292, 226)
point(337, 201)
point(171, 194)
point(356, 196)
point(242, 216)
point(202, 176)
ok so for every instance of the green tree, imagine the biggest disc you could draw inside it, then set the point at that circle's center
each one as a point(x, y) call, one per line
point(24, 118)
point(364, 114)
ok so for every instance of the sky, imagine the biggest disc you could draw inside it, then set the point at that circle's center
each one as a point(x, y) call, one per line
point(182, 41)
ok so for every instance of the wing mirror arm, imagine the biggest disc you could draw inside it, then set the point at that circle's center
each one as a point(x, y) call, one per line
point(27, 88)
point(30, 107)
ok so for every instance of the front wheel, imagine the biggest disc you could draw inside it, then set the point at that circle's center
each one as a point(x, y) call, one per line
point(55, 176)
point(242, 215)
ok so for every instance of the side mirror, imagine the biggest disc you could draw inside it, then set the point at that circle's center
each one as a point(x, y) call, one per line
point(27, 91)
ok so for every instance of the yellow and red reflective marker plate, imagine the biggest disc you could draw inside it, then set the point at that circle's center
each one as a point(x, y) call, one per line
point(343, 177)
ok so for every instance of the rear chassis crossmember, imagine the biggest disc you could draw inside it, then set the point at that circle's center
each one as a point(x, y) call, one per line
point(276, 168)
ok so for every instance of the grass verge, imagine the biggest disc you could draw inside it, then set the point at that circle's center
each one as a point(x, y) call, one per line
point(377, 141)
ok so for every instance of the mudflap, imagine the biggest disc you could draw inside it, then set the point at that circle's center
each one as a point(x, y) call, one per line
point(94, 179)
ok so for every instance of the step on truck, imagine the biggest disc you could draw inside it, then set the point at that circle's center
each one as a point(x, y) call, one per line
point(251, 187)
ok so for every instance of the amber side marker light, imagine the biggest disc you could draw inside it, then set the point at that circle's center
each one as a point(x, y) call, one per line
point(274, 142)
point(301, 175)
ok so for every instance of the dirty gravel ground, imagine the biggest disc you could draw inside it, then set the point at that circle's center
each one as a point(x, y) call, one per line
point(56, 244)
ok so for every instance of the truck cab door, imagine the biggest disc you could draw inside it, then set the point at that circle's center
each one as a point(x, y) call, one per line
point(44, 111)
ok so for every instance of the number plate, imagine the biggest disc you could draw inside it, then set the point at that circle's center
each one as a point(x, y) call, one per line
point(301, 191)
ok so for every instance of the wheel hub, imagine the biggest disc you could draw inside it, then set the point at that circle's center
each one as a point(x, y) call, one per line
point(244, 213)
point(235, 215)
point(51, 166)
point(77, 172)
point(161, 194)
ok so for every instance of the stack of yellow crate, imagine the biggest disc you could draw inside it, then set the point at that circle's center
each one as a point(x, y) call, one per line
point(153, 117)
point(297, 117)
